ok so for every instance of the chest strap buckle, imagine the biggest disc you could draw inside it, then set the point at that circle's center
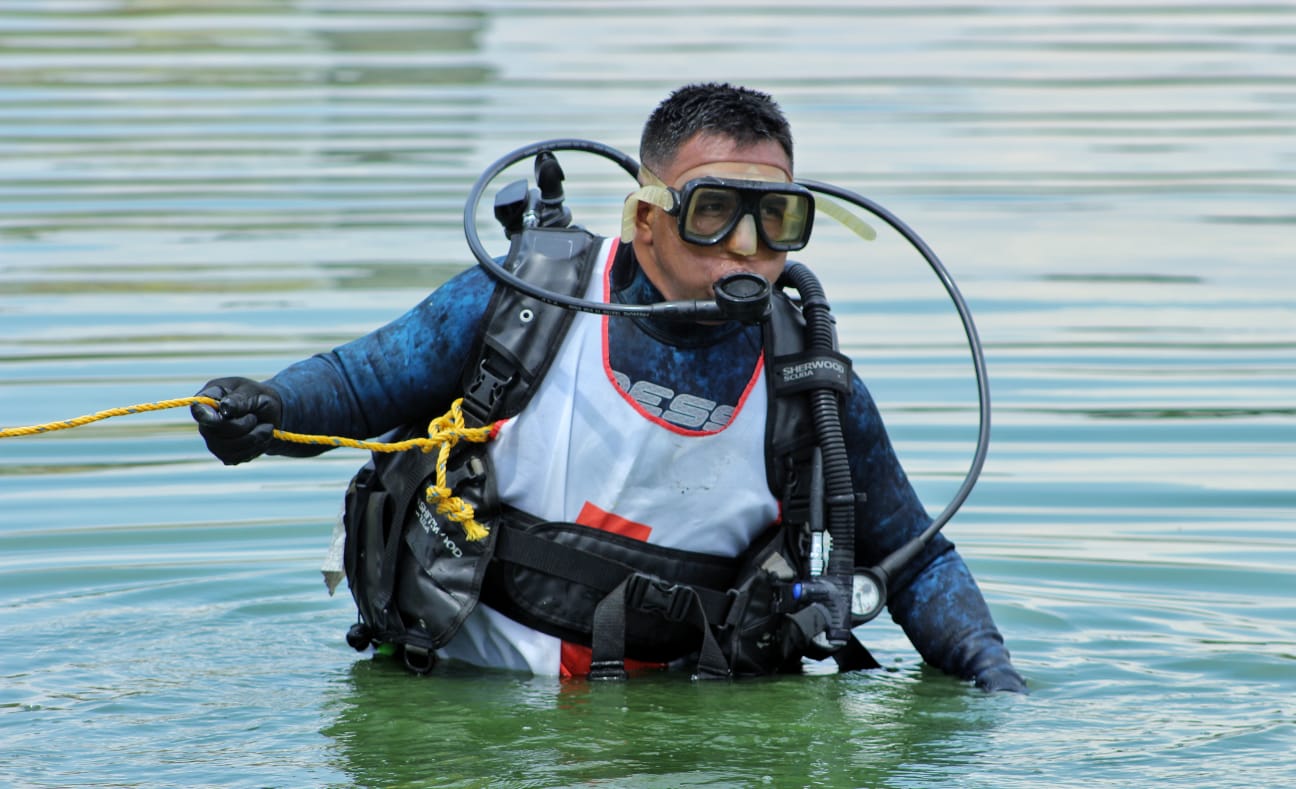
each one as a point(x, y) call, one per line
point(482, 396)
point(654, 595)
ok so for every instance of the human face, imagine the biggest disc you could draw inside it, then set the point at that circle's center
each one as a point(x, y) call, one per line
point(681, 270)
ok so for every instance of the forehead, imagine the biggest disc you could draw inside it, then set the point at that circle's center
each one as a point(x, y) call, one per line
point(709, 154)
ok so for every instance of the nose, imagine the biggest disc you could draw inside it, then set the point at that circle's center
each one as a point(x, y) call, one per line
point(742, 240)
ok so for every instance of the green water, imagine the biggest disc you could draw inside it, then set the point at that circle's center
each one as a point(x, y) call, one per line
point(190, 190)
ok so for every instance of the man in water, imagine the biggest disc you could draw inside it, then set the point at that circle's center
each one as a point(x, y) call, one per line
point(652, 429)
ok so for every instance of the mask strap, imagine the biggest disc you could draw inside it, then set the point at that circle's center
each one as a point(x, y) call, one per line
point(839, 212)
point(653, 192)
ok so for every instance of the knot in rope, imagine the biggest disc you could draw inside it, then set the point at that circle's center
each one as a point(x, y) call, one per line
point(444, 433)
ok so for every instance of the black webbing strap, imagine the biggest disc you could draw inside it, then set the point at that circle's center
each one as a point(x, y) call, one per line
point(607, 643)
point(674, 602)
point(518, 546)
point(813, 620)
point(855, 656)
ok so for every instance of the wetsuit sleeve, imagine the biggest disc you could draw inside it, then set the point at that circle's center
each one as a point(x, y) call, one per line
point(407, 371)
point(934, 598)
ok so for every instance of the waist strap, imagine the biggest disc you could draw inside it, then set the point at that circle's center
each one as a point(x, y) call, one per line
point(518, 546)
point(740, 615)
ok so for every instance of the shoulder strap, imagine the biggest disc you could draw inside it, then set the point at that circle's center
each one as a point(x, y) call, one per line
point(520, 333)
point(789, 429)
point(790, 436)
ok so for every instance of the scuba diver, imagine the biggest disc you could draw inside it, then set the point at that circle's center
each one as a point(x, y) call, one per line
point(650, 487)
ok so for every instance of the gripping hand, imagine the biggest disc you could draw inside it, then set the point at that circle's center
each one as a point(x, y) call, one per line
point(241, 427)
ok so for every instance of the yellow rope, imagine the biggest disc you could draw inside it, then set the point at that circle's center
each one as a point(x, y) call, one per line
point(447, 430)
point(443, 433)
point(11, 432)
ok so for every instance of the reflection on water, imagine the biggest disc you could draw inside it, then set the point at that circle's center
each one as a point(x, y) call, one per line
point(659, 730)
point(197, 190)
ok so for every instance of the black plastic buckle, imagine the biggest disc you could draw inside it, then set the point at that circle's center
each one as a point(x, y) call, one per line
point(483, 395)
point(652, 594)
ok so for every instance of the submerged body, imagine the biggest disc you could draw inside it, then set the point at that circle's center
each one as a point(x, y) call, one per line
point(636, 390)
point(685, 382)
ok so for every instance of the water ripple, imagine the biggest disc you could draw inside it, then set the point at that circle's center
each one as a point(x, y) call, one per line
point(190, 191)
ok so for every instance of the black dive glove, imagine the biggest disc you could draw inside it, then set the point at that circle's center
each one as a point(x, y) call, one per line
point(242, 427)
point(1002, 678)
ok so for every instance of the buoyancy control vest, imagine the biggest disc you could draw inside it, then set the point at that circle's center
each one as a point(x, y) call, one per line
point(416, 578)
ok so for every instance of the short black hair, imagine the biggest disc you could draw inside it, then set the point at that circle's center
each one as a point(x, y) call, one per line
point(744, 115)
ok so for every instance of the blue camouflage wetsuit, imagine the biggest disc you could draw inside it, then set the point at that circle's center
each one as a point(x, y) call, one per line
point(411, 370)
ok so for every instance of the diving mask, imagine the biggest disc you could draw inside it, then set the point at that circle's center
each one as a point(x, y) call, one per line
point(709, 208)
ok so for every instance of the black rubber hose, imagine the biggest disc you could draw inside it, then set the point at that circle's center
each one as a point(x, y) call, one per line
point(892, 564)
point(825, 412)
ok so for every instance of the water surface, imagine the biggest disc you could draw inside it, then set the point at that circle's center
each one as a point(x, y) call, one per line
point(195, 190)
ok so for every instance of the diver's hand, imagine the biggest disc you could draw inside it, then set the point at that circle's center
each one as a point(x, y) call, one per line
point(243, 424)
point(1002, 678)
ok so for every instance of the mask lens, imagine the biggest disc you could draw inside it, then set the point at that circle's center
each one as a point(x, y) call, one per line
point(710, 214)
point(783, 217)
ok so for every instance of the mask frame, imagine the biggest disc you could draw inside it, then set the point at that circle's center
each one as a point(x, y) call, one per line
point(750, 201)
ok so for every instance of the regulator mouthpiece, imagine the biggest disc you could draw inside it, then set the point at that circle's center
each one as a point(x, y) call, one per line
point(743, 296)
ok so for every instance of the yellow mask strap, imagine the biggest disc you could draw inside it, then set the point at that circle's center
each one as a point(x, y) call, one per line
point(653, 192)
point(839, 212)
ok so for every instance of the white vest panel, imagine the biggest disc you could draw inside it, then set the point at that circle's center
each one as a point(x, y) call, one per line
point(583, 444)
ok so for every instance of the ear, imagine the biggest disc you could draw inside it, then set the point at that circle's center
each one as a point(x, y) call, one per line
point(643, 223)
